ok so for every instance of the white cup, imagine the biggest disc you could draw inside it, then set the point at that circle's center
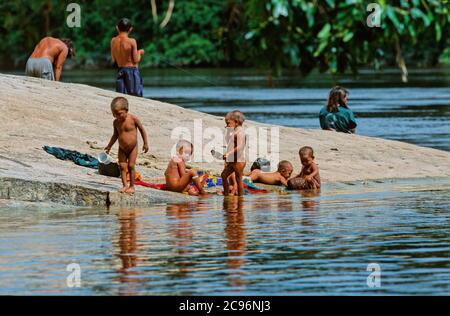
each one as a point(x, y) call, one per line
point(104, 158)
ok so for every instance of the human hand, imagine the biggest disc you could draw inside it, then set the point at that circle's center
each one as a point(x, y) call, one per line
point(141, 52)
point(107, 149)
point(145, 148)
point(308, 178)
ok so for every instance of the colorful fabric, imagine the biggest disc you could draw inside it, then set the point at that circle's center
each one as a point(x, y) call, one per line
point(78, 158)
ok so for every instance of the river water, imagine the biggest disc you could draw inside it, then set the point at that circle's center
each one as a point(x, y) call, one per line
point(274, 244)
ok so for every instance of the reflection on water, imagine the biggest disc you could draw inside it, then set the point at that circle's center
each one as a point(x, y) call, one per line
point(296, 243)
point(128, 250)
point(235, 237)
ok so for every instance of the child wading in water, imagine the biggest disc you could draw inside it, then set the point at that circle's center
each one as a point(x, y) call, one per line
point(279, 177)
point(125, 130)
point(309, 177)
point(178, 178)
point(235, 155)
point(125, 53)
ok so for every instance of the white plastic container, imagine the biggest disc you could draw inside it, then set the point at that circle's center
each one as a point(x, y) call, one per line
point(104, 158)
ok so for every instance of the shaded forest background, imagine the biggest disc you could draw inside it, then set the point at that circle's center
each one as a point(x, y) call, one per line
point(329, 35)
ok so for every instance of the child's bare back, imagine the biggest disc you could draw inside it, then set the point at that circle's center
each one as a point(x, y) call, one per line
point(271, 178)
point(124, 51)
point(278, 177)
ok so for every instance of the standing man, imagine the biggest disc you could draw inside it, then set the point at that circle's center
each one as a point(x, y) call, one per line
point(48, 58)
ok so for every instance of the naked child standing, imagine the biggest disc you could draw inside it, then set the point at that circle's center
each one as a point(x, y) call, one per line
point(125, 130)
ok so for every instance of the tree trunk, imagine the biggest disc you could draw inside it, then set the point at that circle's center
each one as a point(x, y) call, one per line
point(400, 60)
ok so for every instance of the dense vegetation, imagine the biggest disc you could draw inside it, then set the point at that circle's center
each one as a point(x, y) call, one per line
point(331, 35)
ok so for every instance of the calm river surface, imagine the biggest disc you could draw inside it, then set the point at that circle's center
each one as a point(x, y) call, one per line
point(417, 112)
point(291, 244)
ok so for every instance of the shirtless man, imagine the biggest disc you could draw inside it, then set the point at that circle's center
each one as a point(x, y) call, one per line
point(48, 58)
point(125, 130)
point(124, 52)
point(178, 178)
point(278, 177)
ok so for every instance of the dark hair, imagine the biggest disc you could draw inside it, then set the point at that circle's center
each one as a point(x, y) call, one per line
point(261, 164)
point(124, 25)
point(335, 98)
point(306, 150)
point(69, 45)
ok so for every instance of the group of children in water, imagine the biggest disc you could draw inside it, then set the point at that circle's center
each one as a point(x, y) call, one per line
point(179, 178)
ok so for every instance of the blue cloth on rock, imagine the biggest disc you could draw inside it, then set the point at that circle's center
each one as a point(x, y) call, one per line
point(78, 158)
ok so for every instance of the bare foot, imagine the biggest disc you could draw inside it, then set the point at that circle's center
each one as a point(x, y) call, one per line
point(130, 190)
point(123, 190)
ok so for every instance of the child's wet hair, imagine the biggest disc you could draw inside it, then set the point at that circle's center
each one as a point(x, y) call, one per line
point(124, 25)
point(335, 98)
point(119, 103)
point(284, 164)
point(306, 150)
point(184, 143)
point(236, 116)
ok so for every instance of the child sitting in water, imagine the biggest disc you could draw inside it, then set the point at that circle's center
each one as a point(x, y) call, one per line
point(278, 177)
point(235, 155)
point(178, 178)
point(125, 130)
point(309, 177)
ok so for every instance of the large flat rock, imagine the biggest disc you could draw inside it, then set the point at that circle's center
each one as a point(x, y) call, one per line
point(38, 112)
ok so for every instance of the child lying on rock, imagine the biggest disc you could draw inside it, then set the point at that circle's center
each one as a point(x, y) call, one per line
point(178, 178)
point(279, 177)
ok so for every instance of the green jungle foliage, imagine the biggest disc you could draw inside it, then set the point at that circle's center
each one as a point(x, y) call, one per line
point(330, 35)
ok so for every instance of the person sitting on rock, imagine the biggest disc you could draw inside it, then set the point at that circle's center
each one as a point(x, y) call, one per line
point(178, 178)
point(336, 115)
point(309, 177)
point(48, 58)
